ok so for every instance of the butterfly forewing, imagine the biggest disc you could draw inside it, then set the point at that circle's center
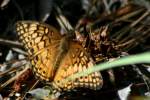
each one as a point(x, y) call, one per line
point(41, 41)
point(77, 60)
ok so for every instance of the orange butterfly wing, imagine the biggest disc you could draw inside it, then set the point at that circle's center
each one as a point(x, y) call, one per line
point(77, 60)
point(42, 42)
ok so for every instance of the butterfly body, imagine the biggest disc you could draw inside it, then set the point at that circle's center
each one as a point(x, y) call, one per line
point(55, 57)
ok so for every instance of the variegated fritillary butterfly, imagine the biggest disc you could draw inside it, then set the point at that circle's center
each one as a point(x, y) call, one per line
point(55, 57)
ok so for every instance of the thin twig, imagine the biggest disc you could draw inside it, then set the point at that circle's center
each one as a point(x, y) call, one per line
point(107, 6)
point(14, 78)
point(10, 43)
point(18, 64)
point(62, 20)
point(33, 86)
point(20, 51)
point(141, 18)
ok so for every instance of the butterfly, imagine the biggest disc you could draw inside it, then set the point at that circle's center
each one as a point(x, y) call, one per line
point(55, 57)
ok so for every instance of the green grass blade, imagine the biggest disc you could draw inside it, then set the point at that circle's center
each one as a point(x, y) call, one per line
point(126, 60)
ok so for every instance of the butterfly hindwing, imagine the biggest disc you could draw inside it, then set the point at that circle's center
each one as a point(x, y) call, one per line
point(77, 60)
